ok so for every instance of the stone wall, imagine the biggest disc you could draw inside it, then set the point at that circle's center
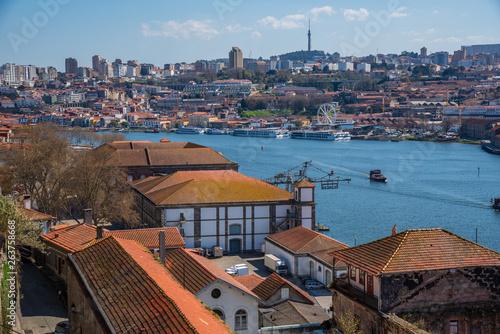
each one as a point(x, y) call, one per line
point(468, 296)
point(370, 320)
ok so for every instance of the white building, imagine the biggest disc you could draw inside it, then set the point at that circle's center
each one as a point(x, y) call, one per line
point(346, 66)
point(229, 299)
point(306, 253)
point(223, 207)
point(363, 67)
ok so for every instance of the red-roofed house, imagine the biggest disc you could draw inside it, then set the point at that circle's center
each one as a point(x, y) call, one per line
point(222, 208)
point(236, 304)
point(431, 275)
point(116, 286)
point(306, 253)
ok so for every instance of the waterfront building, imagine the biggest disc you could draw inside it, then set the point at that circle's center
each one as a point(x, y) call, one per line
point(235, 58)
point(432, 276)
point(223, 208)
point(141, 159)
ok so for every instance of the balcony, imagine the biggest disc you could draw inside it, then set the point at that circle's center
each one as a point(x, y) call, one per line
point(343, 286)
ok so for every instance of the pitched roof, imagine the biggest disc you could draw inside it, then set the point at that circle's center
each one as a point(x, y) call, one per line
point(150, 237)
point(304, 184)
point(37, 216)
point(195, 272)
point(146, 153)
point(291, 312)
point(202, 187)
point(414, 250)
point(303, 240)
point(136, 294)
point(250, 281)
point(268, 287)
point(77, 237)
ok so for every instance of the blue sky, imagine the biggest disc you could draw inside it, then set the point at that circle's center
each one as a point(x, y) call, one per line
point(45, 32)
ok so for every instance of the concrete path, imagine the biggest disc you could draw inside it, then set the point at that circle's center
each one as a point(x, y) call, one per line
point(39, 308)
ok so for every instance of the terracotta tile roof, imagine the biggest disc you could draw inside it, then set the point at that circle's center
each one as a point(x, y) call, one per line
point(37, 216)
point(202, 187)
point(72, 238)
point(145, 153)
point(141, 297)
point(77, 237)
point(303, 240)
point(250, 281)
point(150, 237)
point(304, 184)
point(195, 272)
point(267, 288)
point(414, 250)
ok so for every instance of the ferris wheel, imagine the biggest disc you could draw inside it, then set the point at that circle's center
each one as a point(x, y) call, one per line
point(327, 114)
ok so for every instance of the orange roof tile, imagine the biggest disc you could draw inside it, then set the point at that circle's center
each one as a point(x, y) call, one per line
point(250, 281)
point(303, 240)
point(140, 297)
point(202, 187)
point(195, 272)
point(414, 250)
point(304, 184)
point(37, 216)
point(150, 237)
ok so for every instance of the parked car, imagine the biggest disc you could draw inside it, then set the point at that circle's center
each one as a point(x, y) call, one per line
point(306, 280)
point(313, 285)
point(62, 327)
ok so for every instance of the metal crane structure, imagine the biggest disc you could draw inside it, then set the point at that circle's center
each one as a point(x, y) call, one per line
point(299, 173)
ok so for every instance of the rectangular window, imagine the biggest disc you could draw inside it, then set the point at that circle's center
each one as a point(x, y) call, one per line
point(353, 273)
point(284, 293)
point(361, 277)
point(454, 326)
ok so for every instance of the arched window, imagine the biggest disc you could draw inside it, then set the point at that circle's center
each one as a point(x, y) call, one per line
point(240, 320)
point(328, 278)
point(130, 178)
point(219, 313)
point(142, 176)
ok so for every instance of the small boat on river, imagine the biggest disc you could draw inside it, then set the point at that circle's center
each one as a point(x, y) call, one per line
point(495, 202)
point(376, 175)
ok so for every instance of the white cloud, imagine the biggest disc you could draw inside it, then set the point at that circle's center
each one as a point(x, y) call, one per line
point(416, 33)
point(430, 31)
point(418, 40)
point(435, 12)
point(235, 28)
point(286, 22)
point(180, 30)
point(398, 13)
point(256, 35)
point(450, 39)
point(352, 14)
point(327, 10)
point(483, 39)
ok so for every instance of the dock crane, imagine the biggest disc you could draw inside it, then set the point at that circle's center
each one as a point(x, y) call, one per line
point(299, 173)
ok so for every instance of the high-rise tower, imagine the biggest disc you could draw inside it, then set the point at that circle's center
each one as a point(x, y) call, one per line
point(309, 37)
point(235, 58)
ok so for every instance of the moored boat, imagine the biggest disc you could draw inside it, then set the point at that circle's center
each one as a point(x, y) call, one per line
point(262, 133)
point(376, 175)
point(189, 131)
point(321, 135)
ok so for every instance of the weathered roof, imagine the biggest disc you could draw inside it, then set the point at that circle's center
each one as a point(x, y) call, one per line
point(150, 237)
point(268, 287)
point(37, 216)
point(250, 281)
point(415, 250)
point(77, 237)
point(195, 272)
point(136, 293)
point(303, 240)
point(304, 184)
point(291, 312)
point(202, 187)
point(145, 153)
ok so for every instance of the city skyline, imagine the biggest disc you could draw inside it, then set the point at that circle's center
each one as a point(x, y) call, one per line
point(46, 32)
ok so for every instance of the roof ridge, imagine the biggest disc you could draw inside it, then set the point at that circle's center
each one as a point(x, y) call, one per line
point(407, 232)
point(191, 255)
point(298, 311)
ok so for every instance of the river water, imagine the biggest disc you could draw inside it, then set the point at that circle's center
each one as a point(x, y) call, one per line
point(447, 185)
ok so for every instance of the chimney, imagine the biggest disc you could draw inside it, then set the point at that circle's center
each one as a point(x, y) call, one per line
point(394, 230)
point(27, 202)
point(87, 216)
point(163, 252)
point(99, 232)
